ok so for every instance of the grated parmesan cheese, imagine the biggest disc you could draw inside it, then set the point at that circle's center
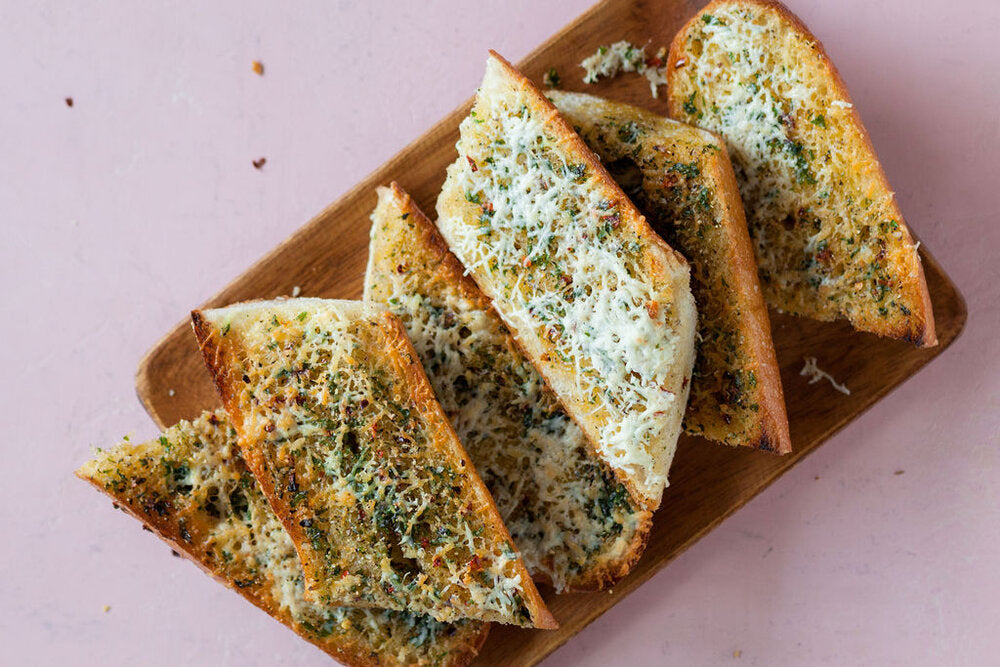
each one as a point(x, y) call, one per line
point(815, 374)
point(545, 239)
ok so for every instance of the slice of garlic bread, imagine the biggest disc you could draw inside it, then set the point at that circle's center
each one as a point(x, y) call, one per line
point(341, 429)
point(576, 525)
point(597, 301)
point(192, 488)
point(681, 179)
point(829, 237)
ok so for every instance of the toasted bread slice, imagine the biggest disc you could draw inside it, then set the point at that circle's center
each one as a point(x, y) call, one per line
point(576, 525)
point(829, 237)
point(598, 302)
point(681, 179)
point(192, 488)
point(341, 429)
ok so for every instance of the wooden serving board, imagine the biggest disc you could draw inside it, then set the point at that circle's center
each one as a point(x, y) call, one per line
point(708, 482)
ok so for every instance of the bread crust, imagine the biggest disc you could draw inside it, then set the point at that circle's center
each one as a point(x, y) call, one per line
point(446, 267)
point(774, 436)
point(663, 264)
point(221, 359)
point(918, 328)
point(167, 528)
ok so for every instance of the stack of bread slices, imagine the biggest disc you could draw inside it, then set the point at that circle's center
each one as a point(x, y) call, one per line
point(391, 476)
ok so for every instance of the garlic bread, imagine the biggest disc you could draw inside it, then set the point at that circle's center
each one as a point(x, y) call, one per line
point(340, 427)
point(597, 301)
point(829, 237)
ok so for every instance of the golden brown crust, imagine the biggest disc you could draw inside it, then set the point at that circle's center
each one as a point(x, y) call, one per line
point(774, 436)
point(918, 328)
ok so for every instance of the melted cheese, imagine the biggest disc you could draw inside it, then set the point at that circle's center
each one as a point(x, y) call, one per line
point(543, 239)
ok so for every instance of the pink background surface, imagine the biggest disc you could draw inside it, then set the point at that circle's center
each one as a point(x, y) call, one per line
point(121, 213)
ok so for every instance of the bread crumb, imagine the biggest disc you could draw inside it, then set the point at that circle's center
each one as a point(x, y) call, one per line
point(816, 477)
point(258, 68)
point(170, 392)
point(107, 608)
point(259, 163)
point(816, 374)
point(296, 291)
point(899, 472)
point(69, 101)
point(737, 653)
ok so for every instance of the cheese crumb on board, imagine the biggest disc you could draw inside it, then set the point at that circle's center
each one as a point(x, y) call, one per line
point(622, 56)
point(816, 374)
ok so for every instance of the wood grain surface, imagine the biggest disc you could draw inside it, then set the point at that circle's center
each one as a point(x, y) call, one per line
point(327, 257)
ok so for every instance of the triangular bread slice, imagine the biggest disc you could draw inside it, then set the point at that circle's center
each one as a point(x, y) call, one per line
point(341, 429)
point(191, 487)
point(829, 237)
point(576, 525)
point(680, 177)
point(598, 302)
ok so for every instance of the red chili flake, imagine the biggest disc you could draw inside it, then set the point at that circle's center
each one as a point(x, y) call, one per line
point(685, 383)
point(824, 255)
point(670, 180)
point(69, 101)
point(400, 268)
point(487, 207)
point(472, 163)
point(344, 574)
point(475, 565)
point(270, 427)
point(259, 163)
point(437, 561)
point(424, 542)
point(653, 308)
point(526, 262)
point(653, 61)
